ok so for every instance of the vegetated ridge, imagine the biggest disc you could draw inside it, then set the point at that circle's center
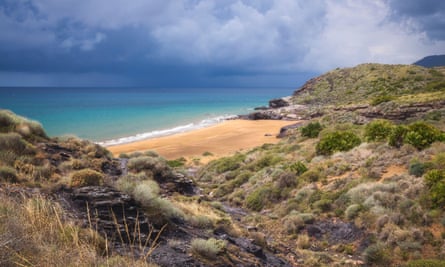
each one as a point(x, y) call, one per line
point(358, 180)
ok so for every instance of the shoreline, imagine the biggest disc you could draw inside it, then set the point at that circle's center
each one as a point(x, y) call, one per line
point(220, 140)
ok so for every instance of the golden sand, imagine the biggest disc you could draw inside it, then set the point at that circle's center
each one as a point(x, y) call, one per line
point(221, 139)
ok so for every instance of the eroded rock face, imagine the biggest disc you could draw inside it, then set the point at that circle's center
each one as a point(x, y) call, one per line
point(393, 111)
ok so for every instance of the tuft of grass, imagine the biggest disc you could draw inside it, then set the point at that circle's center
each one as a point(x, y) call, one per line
point(8, 174)
point(155, 165)
point(209, 248)
point(86, 177)
point(37, 232)
point(146, 192)
point(293, 223)
point(31, 130)
point(303, 241)
point(377, 255)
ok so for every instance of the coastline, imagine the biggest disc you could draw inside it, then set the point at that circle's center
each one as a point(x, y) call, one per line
point(220, 140)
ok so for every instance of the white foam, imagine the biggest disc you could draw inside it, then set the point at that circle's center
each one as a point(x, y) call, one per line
point(179, 129)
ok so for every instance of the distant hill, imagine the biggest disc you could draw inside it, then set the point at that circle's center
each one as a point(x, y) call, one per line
point(366, 82)
point(431, 61)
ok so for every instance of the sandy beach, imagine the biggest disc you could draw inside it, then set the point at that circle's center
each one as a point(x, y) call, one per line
point(220, 140)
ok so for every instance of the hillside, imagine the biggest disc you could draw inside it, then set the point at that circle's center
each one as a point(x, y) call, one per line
point(357, 181)
point(368, 83)
point(431, 61)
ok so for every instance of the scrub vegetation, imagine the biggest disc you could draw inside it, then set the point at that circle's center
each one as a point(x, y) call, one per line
point(343, 190)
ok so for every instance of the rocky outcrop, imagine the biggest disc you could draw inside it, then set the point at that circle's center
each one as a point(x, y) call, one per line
point(121, 219)
point(393, 111)
point(289, 112)
point(278, 103)
point(116, 215)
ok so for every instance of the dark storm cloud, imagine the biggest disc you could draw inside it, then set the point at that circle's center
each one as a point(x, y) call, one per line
point(211, 42)
point(426, 15)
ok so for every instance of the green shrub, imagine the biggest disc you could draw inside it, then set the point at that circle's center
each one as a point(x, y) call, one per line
point(397, 136)
point(228, 163)
point(323, 205)
point(293, 223)
point(312, 130)
point(8, 174)
point(435, 181)
point(376, 255)
point(378, 130)
point(258, 198)
point(417, 168)
point(177, 162)
point(161, 208)
point(311, 176)
point(156, 165)
point(337, 141)
point(439, 161)
point(426, 263)
point(298, 168)
point(353, 210)
point(209, 248)
point(201, 221)
point(287, 180)
point(265, 161)
point(421, 135)
point(146, 192)
point(86, 177)
point(207, 154)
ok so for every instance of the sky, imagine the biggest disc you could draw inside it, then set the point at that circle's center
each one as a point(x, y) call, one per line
point(208, 43)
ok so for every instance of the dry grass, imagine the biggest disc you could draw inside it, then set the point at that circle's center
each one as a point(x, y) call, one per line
point(36, 232)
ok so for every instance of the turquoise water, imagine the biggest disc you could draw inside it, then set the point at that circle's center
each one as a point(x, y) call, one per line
point(118, 115)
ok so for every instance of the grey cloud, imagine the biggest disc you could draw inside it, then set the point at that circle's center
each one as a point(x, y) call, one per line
point(213, 40)
point(426, 15)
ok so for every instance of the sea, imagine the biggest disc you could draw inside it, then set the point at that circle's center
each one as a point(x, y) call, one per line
point(111, 116)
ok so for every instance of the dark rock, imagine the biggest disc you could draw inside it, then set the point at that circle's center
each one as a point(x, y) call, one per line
point(113, 213)
point(285, 129)
point(261, 108)
point(248, 246)
point(278, 103)
point(335, 231)
point(265, 115)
